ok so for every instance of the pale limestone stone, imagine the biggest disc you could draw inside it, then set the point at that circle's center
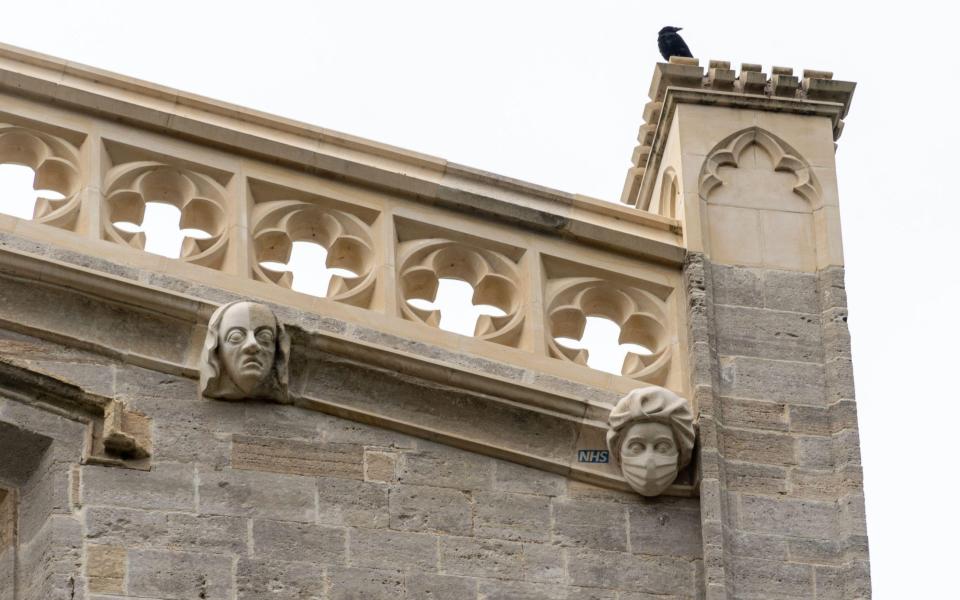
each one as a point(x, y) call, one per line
point(379, 466)
point(297, 458)
point(106, 568)
point(651, 437)
point(245, 354)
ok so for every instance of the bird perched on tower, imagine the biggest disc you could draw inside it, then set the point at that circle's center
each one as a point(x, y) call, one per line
point(671, 44)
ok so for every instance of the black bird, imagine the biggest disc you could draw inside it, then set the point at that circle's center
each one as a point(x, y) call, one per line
point(671, 44)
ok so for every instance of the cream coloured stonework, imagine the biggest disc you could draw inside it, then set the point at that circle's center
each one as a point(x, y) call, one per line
point(397, 459)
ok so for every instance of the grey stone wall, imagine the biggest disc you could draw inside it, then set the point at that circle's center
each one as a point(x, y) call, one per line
point(40, 553)
point(782, 491)
point(254, 500)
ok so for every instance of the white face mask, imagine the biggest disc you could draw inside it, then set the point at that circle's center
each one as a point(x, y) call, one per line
point(649, 457)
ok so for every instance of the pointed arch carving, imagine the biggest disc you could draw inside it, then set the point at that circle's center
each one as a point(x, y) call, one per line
point(728, 152)
point(670, 194)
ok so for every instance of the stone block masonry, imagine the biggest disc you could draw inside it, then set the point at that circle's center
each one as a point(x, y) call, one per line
point(335, 523)
point(788, 435)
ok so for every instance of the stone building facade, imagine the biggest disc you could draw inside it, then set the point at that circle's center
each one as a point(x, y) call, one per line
point(402, 460)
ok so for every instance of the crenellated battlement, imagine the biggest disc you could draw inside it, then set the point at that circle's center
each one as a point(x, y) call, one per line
point(815, 92)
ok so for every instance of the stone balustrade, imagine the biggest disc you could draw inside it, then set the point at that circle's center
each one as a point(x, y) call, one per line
point(396, 220)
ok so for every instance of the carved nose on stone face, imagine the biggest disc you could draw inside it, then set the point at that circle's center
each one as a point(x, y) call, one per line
point(250, 345)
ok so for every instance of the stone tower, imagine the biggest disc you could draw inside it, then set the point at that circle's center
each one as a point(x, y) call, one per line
point(190, 427)
point(747, 162)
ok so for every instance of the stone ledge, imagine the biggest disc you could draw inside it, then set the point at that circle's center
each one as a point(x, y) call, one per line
point(114, 435)
point(465, 401)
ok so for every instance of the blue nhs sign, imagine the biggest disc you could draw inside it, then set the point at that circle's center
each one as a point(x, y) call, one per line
point(593, 456)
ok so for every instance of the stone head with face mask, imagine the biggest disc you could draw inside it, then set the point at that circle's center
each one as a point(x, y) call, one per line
point(651, 436)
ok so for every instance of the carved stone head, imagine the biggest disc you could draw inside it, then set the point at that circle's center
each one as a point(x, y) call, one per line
point(651, 437)
point(245, 354)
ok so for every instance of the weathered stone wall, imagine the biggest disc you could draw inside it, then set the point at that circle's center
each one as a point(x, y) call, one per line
point(43, 541)
point(785, 497)
point(252, 500)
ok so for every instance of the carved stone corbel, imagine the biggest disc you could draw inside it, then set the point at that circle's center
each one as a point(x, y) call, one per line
point(126, 434)
point(245, 354)
point(651, 438)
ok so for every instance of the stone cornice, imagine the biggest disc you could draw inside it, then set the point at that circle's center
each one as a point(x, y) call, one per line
point(465, 401)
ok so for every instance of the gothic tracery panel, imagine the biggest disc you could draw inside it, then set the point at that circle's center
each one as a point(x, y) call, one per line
point(277, 224)
point(56, 166)
point(201, 200)
point(494, 277)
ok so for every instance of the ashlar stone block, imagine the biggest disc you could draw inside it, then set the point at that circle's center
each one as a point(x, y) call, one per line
point(446, 468)
point(771, 334)
point(172, 530)
point(516, 517)
point(431, 509)
point(252, 493)
point(348, 583)
point(480, 558)
point(790, 382)
point(427, 586)
point(277, 580)
point(757, 579)
point(167, 486)
point(793, 517)
point(168, 574)
point(284, 540)
point(612, 570)
point(659, 528)
point(106, 568)
point(545, 563)
point(347, 502)
point(297, 458)
point(400, 550)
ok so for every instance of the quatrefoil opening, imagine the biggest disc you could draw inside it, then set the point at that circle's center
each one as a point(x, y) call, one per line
point(493, 277)
point(56, 166)
point(200, 200)
point(277, 224)
point(639, 314)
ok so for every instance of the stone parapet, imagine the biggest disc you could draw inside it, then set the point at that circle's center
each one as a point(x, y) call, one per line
point(397, 220)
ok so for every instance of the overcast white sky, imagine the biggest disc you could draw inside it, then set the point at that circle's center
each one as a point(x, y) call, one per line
point(552, 92)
